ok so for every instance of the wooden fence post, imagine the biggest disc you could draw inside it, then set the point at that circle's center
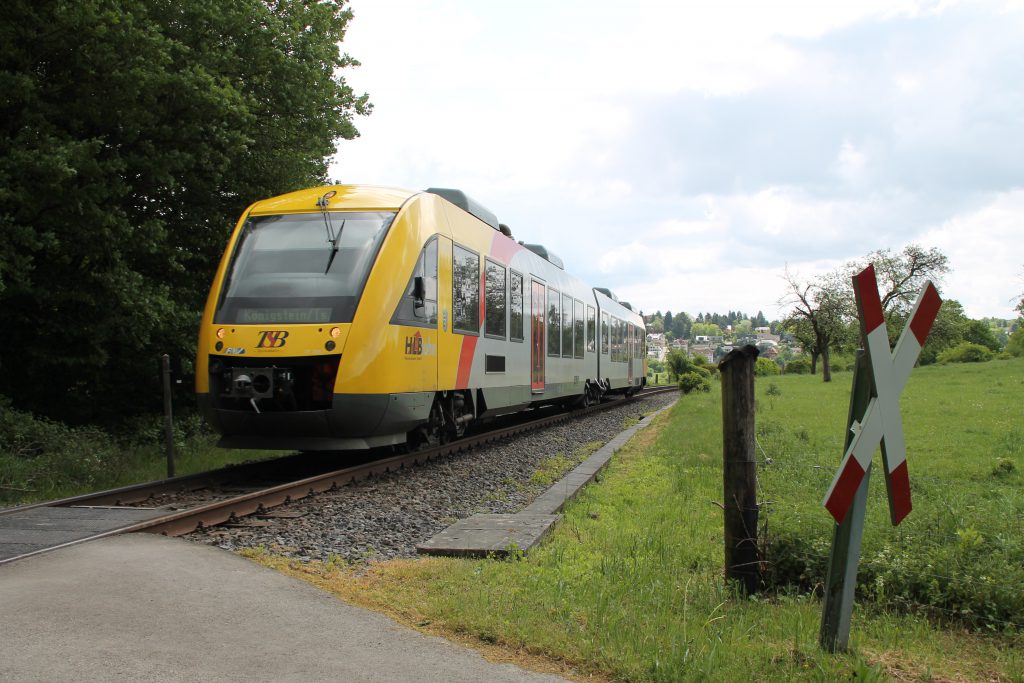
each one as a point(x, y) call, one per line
point(165, 372)
point(739, 472)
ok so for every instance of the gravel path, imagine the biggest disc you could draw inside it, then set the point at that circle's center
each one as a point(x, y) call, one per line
point(385, 517)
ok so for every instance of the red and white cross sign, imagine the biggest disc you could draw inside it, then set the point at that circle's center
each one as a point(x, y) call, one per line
point(882, 421)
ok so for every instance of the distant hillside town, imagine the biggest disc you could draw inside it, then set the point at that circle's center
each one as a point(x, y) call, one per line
point(713, 335)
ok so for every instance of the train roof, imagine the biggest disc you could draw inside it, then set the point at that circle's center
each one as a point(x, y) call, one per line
point(369, 197)
point(544, 253)
point(467, 204)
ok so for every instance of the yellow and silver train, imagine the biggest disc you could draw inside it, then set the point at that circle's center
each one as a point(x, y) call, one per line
point(350, 316)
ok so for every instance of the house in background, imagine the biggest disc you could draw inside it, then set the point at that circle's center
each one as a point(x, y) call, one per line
point(706, 350)
point(656, 346)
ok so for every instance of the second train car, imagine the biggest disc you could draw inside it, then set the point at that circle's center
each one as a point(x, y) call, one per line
point(349, 317)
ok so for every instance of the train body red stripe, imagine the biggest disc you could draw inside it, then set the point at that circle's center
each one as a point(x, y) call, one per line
point(465, 361)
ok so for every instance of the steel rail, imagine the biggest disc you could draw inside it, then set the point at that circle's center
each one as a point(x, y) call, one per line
point(222, 511)
point(181, 522)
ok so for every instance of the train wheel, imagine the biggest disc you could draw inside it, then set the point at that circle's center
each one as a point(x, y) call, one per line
point(432, 433)
point(587, 399)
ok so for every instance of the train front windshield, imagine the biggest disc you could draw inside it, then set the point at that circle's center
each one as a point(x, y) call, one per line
point(301, 268)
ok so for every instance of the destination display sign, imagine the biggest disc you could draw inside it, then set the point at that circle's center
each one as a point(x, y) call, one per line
point(262, 316)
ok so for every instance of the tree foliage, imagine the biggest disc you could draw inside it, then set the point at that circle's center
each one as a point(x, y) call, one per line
point(1015, 346)
point(133, 134)
point(823, 314)
point(946, 332)
point(979, 332)
point(901, 276)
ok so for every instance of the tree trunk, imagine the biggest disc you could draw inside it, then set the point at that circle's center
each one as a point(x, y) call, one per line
point(814, 362)
point(826, 365)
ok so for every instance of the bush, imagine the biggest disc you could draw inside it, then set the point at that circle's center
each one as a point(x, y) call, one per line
point(798, 366)
point(1015, 346)
point(842, 363)
point(764, 367)
point(694, 381)
point(965, 352)
point(39, 455)
point(702, 363)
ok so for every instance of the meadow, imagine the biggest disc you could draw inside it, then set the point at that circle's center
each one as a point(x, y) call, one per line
point(629, 586)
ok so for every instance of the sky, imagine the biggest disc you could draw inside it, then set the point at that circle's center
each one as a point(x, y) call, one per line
point(687, 154)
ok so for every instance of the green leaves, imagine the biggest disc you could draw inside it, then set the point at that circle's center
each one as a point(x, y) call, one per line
point(132, 134)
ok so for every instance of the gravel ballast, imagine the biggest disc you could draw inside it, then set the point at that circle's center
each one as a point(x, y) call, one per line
point(385, 517)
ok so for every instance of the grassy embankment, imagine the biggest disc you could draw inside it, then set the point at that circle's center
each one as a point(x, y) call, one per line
point(629, 585)
point(43, 460)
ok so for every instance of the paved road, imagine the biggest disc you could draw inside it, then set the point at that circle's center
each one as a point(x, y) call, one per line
point(150, 608)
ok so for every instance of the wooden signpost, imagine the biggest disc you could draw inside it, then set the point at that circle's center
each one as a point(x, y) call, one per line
point(879, 378)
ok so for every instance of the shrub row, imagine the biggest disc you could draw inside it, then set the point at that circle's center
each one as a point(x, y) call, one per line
point(41, 458)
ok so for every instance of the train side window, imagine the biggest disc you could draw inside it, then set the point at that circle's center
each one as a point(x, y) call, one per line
point(495, 299)
point(617, 341)
point(418, 305)
point(578, 340)
point(554, 323)
point(465, 291)
point(591, 330)
point(567, 326)
point(515, 316)
point(604, 334)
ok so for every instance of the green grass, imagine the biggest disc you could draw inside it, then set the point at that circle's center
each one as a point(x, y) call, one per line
point(43, 460)
point(629, 585)
point(959, 556)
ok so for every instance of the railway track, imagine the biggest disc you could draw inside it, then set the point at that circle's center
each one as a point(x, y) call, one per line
point(228, 508)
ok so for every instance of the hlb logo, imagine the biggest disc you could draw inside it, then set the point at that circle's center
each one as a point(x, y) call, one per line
point(272, 339)
point(414, 345)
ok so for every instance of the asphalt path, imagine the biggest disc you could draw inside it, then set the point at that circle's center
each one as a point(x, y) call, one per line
point(150, 608)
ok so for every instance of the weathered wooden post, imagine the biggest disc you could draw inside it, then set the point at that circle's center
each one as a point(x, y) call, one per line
point(739, 472)
point(165, 371)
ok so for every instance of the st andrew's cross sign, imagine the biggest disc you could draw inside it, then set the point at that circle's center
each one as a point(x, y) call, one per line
point(879, 378)
point(882, 420)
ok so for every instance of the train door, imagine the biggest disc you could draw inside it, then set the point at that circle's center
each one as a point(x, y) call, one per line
point(630, 344)
point(537, 341)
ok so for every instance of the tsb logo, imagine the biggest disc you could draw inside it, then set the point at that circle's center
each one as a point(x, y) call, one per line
point(272, 339)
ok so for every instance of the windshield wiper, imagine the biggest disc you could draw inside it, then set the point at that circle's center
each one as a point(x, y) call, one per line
point(334, 242)
point(331, 236)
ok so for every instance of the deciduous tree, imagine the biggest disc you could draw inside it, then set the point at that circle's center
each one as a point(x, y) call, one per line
point(819, 312)
point(132, 134)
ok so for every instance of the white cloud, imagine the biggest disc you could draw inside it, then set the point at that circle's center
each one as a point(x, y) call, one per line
point(985, 256)
point(850, 163)
point(687, 151)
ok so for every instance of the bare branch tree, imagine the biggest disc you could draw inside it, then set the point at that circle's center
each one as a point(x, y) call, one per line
point(818, 318)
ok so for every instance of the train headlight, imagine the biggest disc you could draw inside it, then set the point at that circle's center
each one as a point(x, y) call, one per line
point(335, 332)
point(329, 345)
point(221, 332)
